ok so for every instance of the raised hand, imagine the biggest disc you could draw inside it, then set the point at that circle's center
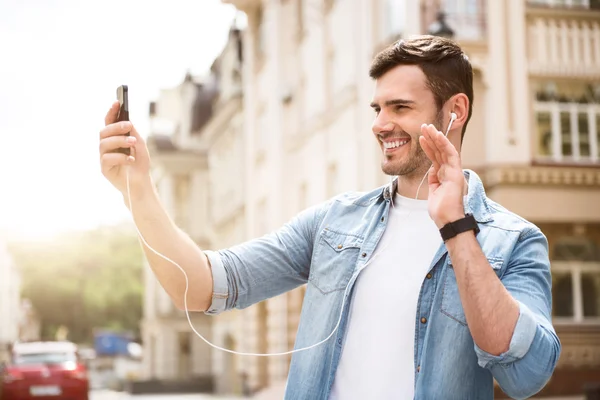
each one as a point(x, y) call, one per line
point(446, 180)
point(114, 164)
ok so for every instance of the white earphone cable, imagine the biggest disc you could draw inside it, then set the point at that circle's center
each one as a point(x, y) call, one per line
point(187, 281)
point(187, 287)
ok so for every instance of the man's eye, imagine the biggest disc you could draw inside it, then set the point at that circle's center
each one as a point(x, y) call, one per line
point(400, 108)
point(376, 110)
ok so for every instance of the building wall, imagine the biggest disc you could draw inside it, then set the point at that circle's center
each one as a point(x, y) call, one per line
point(172, 350)
point(307, 120)
point(10, 307)
point(301, 133)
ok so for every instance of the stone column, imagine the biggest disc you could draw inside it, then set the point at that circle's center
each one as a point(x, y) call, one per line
point(368, 170)
point(507, 124)
point(277, 321)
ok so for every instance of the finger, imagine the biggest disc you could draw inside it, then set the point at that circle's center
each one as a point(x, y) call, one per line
point(433, 132)
point(428, 151)
point(432, 179)
point(119, 128)
point(109, 161)
point(433, 135)
point(431, 142)
point(133, 132)
point(113, 143)
point(447, 149)
point(111, 115)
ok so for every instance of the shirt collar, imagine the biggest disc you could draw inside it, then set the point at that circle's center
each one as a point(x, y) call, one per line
point(475, 202)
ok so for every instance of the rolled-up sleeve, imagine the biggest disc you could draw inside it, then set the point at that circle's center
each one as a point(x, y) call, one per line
point(527, 365)
point(220, 286)
point(265, 267)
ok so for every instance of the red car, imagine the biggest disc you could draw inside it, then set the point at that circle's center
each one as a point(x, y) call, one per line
point(45, 370)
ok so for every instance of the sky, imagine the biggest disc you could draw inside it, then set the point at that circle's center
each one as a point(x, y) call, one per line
point(60, 64)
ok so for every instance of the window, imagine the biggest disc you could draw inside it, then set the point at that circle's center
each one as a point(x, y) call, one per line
point(565, 3)
point(45, 358)
point(393, 17)
point(261, 34)
point(300, 7)
point(568, 127)
point(466, 18)
point(576, 281)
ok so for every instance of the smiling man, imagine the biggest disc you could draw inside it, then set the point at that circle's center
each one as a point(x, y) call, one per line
point(434, 289)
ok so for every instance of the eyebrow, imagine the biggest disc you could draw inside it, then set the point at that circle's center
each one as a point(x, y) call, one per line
point(395, 102)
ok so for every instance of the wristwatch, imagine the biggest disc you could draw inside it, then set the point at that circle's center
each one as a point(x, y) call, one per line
point(452, 229)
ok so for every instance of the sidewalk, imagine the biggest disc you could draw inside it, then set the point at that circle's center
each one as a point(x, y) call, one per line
point(276, 391)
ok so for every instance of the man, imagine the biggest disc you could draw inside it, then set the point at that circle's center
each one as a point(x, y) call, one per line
point(445, 288)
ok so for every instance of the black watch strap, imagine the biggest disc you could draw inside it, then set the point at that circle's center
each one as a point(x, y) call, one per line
point(452, 229)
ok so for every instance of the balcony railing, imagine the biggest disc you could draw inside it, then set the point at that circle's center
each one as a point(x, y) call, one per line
point(564, 47)
point(586, 4)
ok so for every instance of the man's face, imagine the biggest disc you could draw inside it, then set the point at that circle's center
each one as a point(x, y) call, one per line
point(402, 103)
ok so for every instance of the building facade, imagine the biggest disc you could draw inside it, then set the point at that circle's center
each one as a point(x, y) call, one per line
point(301, 133)
point(172, 351)
point(534, 135)
point(196, 146)
point(10, 302)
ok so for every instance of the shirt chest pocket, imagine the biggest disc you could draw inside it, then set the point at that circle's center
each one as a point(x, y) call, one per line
point(451, 303)
point(334, 260)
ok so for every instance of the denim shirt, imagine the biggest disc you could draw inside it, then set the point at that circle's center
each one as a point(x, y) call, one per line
point(327, 245)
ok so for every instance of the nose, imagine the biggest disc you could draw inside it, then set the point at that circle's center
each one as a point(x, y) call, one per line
point(382, 124)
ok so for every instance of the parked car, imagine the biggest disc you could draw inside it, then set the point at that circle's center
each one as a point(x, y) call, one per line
point(45, 370)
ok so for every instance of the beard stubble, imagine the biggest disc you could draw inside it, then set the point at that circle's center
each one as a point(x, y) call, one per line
point(416, 162)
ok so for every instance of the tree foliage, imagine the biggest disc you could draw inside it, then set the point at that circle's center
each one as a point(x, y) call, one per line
point(84, 281)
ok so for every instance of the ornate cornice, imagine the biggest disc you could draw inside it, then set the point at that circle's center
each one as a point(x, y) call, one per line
point(542, 175)
point(580, 345)
point(580, 356)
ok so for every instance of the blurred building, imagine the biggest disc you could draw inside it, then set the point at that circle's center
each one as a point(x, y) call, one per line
point(30, 324)
point(10, 302)
point(196, 145)
point(236, 167)
point(171, 352)
point(534, 135)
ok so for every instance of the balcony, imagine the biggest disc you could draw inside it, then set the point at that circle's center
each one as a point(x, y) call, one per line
point(564, 42)
point(573, 4)
point(466, 18)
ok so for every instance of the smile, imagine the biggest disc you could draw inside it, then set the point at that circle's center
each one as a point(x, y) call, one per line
point(394, 144)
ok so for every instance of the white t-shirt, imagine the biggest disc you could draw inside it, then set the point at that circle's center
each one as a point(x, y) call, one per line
point(377, 360)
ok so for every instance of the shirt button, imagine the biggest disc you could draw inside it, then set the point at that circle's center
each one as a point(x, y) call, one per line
point(419, 368)
point(382, 219)
point(429, 276)
point(340, 246)
point(423, 320)
point(340, 341)
point(364, 254)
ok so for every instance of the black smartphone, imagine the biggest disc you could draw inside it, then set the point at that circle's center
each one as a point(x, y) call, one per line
point(123, 97)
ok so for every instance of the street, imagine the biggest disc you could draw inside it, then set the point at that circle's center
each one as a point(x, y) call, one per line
point(111, 395)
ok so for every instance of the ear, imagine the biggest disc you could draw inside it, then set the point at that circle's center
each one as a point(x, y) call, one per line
point(459, 105)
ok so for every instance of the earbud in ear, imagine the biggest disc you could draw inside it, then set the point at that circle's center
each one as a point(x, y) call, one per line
point(452, 118)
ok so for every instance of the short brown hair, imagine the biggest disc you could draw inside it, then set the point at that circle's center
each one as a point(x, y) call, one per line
point(446, 68)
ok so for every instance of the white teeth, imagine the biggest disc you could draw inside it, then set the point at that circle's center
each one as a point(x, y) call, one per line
point(391, 145)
